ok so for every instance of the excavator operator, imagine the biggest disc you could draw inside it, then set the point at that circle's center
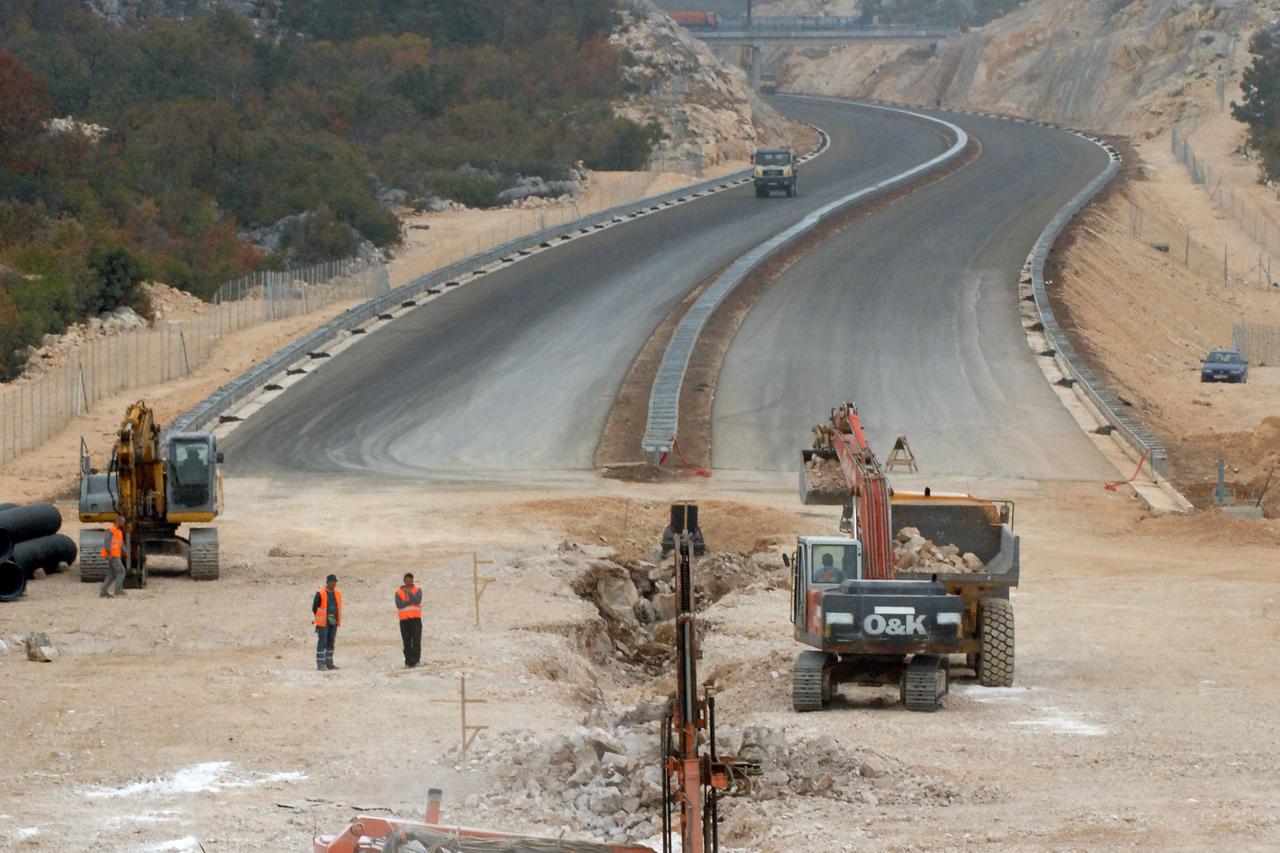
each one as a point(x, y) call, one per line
point(827, 572)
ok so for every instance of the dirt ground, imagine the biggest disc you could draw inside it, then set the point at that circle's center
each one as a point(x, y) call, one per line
point(186, 715)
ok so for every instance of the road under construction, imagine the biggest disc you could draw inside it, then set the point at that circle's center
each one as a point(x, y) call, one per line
point(467, 429)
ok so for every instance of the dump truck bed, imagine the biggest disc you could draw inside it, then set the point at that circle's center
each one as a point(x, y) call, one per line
point(972, 525)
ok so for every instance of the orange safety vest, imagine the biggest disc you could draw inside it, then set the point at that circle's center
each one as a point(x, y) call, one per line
point(116, 548)
point(413, 611)
point(322, 612)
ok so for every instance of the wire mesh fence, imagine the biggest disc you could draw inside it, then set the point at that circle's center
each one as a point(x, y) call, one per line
point(36, 409)
point(1259, 343)
point(1167, 233)
point(1257, 225)
point(274, 295)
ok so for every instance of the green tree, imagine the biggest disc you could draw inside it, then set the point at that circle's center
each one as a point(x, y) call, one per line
point(117, 275)
point(1260, 108)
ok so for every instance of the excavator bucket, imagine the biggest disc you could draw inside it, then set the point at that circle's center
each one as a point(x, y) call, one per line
point(822, 481)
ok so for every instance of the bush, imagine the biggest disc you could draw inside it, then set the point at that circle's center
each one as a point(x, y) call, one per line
point(469, 186)
point(116, 276)
point(621, 145)
point(319, 236)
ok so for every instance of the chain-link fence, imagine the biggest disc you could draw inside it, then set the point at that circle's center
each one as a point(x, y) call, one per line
point(274, 295)
point(1259, 343)
point(1167, 233)
point(1259, 227)
point(34, 410)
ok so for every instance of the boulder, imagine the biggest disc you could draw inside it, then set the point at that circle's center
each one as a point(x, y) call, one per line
point(39, 648)
point(617, 597)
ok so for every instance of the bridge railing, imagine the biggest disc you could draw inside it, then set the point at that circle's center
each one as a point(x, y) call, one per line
point(831, 23)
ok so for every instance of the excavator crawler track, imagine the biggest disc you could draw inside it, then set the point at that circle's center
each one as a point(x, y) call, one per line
point(203, 557)
point(924, 684)
point(811, 682)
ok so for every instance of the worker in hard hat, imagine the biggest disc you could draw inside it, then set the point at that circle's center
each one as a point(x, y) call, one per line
point(326, 607)
point(409, 612)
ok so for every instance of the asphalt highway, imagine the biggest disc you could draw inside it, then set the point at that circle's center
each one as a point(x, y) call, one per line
point(912, 314)
point(517, 371)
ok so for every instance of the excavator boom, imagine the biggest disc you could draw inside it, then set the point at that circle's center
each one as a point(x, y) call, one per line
point(842, 469)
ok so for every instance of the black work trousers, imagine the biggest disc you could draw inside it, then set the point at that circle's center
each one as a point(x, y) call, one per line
point(411, 636)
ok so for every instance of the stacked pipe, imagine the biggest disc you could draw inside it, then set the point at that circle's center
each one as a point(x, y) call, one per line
point(29, 541)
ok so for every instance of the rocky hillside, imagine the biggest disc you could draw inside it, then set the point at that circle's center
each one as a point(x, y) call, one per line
point(1121, 66)
point(705, 107)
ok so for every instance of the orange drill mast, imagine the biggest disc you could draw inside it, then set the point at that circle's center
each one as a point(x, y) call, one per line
point(692, 778)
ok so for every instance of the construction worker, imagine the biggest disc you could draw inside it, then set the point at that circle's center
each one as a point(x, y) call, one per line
point(326, 607)
point(113, 552)
point(827, 572)
point(409, 611)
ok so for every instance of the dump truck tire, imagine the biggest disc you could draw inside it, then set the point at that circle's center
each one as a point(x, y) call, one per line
point(93, 566)
point(811, 682)
point(995, 626)
point(202, 558)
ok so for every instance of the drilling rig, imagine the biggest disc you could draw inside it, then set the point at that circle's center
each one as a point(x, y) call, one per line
point(694, 778)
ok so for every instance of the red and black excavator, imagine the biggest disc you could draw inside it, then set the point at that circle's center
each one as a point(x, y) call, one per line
point(870, 623)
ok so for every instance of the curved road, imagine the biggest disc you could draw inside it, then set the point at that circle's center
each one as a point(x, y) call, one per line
point(517, 371)
point(913, 315)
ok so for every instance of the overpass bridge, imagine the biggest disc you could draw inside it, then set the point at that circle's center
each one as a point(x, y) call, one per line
point(757, 29)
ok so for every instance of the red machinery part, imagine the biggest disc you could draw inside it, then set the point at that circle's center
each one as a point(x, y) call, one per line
point(871, 493)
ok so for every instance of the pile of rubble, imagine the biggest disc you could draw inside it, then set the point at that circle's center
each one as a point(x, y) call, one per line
point(168, 302)
point(604, 779)
point(825, 476)
point(913, 553)
point(637, 602)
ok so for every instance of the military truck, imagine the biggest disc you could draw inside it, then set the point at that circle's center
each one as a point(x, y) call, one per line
point(775, 169)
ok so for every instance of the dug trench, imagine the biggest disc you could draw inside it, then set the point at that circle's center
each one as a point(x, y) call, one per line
point(619, 454)
point(604, 777)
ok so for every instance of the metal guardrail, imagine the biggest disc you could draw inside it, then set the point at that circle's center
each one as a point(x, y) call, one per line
point(662, 425)
point(207, 413)
point(1102, 396)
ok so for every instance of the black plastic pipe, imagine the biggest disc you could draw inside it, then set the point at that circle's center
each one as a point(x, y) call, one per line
point(44, 553)
point(13, 583)
point(30, 522)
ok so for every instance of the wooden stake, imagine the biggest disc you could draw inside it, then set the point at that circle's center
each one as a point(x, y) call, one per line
point(469, 730)
point(479, 583)
point(473, 729)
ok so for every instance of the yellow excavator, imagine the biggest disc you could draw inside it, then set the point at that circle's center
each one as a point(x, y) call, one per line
point(157, 481)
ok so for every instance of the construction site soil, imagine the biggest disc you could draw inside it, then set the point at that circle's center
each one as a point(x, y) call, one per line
point(188, 714)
